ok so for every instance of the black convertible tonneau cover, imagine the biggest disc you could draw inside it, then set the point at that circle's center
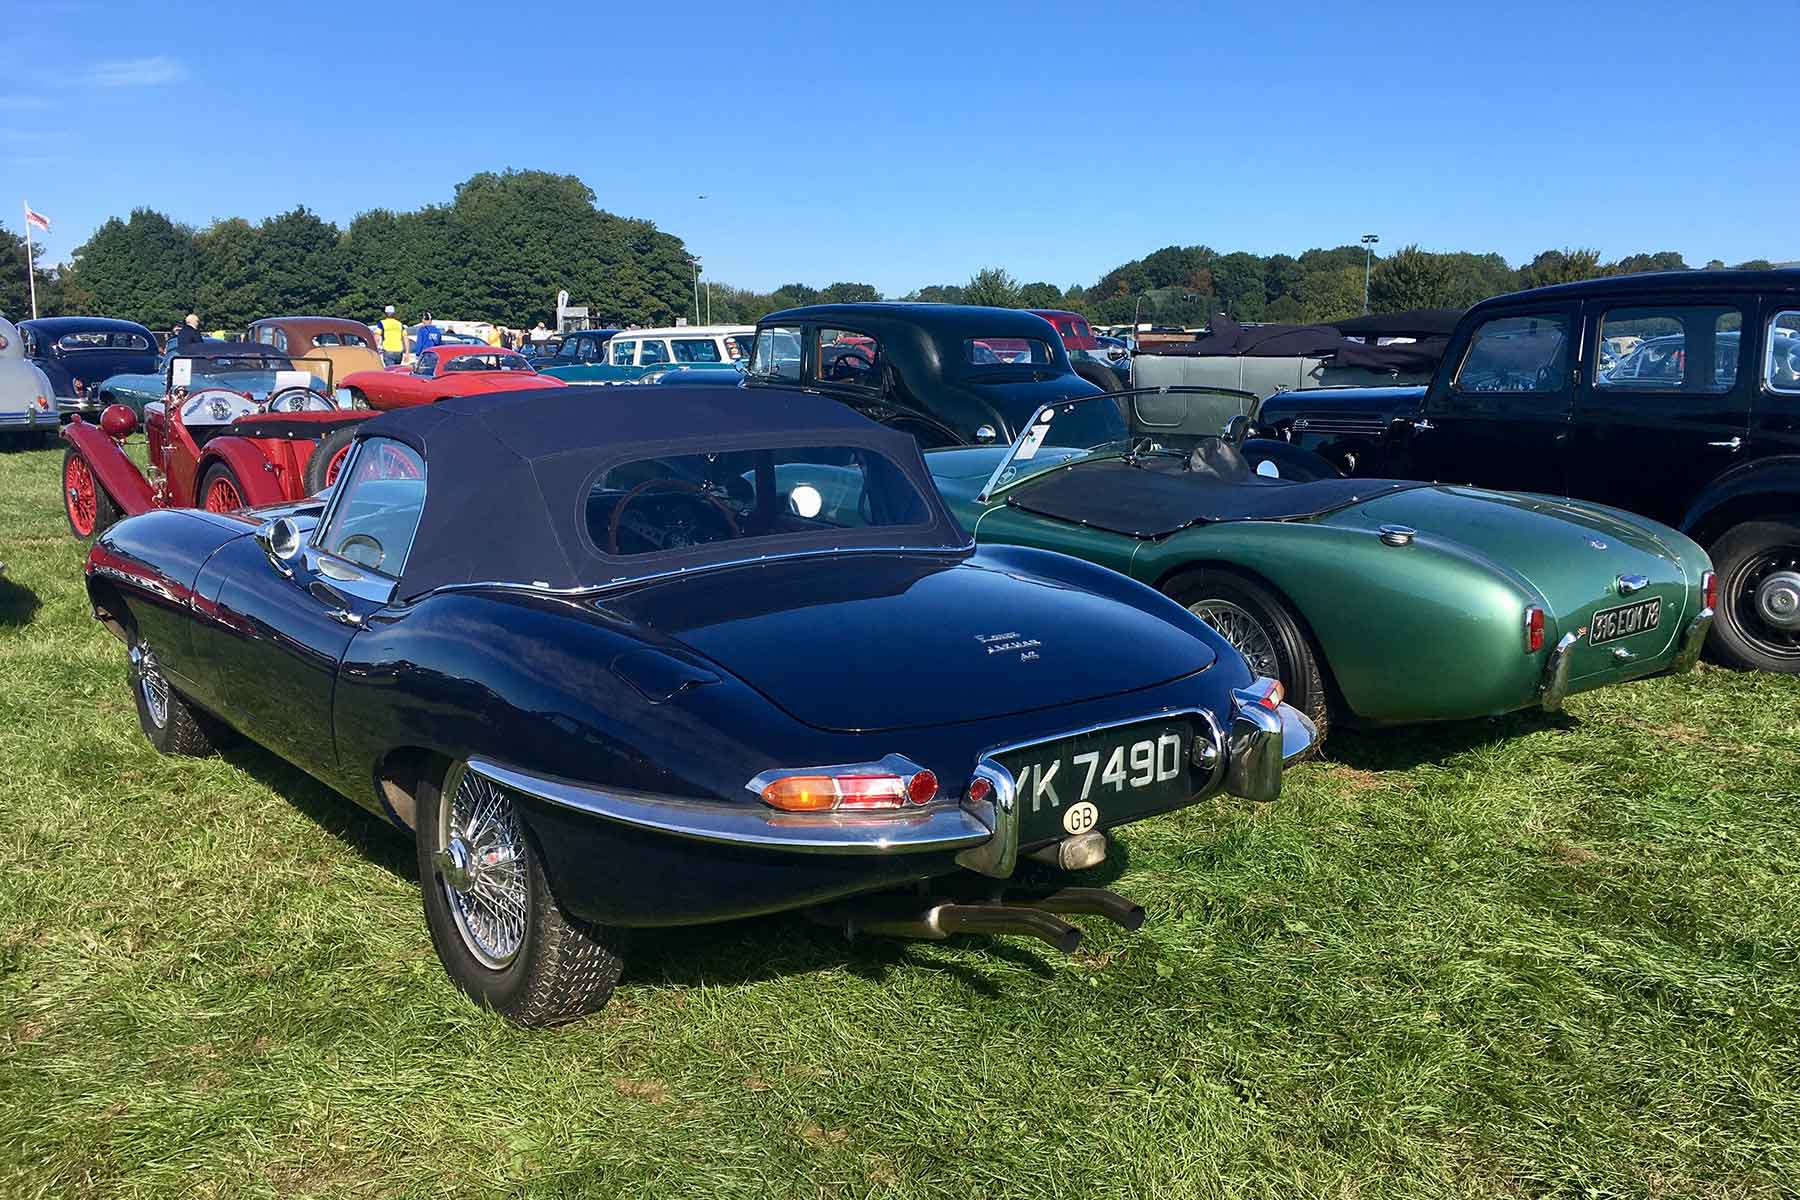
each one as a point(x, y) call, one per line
point(1226, 338)
point(1159, 498)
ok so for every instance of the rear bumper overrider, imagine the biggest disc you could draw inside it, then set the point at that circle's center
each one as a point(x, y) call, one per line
point(1554, 687)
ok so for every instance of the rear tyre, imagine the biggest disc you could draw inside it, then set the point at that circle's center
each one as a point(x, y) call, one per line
point(1098, 374)
point(170, 725)
point(91, 512)
point(220, 490)
point(328, 459)
point(1255, 619)
point(1757, 627)
point(498, 930)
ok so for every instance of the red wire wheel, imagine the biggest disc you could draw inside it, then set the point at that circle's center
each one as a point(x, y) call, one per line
point(335, 465)
point(222, 493)
point(80, 494)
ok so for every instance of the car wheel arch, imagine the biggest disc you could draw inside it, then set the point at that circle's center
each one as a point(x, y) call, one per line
point(397, 776)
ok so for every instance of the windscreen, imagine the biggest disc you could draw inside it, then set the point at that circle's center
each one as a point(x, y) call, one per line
point(498, 361)
point(257, 375)
point(747, 497)
point(1059, 434)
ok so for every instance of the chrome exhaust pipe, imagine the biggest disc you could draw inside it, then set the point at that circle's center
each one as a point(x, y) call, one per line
point(1092, 901)
point(935, 922)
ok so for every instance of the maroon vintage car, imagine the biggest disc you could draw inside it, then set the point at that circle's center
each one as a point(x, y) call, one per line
point(239, 425)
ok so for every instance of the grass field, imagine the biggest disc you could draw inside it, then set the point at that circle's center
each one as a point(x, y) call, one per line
point(1531, 956)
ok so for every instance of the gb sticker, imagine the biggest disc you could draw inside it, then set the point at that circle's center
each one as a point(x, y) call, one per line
point(1081, 817)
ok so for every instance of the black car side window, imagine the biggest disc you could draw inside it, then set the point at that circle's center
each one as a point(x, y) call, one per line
point(848, 357)
point(776, 354)
point(1781, 361)
point(1691, 349)
point(1517, 354)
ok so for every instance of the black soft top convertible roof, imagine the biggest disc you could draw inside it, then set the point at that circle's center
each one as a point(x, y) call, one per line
point(1226, 338)
point(229, 350)
point(508, 474)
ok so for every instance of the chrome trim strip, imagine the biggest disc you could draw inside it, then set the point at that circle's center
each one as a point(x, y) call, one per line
point(589, 589)
point(1553, 688)
point(936, 827)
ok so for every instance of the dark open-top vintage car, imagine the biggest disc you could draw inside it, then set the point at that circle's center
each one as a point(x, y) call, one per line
point(240, 424)
point(729, 654)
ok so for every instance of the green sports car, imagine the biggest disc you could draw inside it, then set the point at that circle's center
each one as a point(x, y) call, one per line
point(1374, 601)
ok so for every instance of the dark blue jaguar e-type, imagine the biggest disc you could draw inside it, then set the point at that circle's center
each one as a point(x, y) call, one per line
point(641, 665)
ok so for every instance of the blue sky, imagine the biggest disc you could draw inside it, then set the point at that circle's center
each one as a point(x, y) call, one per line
point(915, 143)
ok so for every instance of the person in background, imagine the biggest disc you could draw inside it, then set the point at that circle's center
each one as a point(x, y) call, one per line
point(393, 338)
point(493, 335)
point(427, 336)
point(188, 332)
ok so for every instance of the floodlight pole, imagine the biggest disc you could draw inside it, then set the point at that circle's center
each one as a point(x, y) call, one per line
point(696, 263)
point(1368, 240)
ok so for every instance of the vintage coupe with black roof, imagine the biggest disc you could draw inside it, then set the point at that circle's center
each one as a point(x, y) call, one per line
point(78, 354)
point(949, 374)
point(660, 665)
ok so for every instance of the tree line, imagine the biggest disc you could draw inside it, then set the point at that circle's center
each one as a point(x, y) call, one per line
point(507, 242)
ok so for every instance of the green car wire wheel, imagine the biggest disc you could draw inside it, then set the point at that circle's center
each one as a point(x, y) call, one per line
point(1256, 620)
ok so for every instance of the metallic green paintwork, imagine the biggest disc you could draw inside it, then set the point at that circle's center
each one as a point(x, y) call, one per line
point(1430, 631)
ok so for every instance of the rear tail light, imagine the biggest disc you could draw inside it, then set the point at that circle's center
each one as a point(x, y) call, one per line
point(892, 783)
point(1709, 589)
point(80, 388)
point(1534, 629)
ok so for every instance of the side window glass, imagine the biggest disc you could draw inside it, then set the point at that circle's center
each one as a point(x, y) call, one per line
point(654, 352)
point(1781, 363)
point(376, 511)
point(848, 357)
point(1517, 354)
point(1669, 348)
point(427, 364)
point(696, 350)
point(622, 352)
point(776, 353)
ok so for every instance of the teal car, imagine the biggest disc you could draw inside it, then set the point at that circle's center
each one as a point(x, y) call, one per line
point(645, 355)
point(259, 370)
point(1374, 601)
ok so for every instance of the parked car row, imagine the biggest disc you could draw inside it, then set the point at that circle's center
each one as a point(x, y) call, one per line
point(863, 626)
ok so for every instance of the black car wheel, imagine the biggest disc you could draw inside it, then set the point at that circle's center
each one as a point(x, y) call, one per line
point(1256, 619)
point(1758, 625)
point(498, 930)
point(170, 725)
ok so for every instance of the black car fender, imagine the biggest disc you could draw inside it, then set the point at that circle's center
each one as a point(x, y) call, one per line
point(1766, 487)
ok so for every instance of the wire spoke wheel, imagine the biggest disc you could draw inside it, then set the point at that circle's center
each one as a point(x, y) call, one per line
point(82, 495)
point(222, 496)
point(1241, 628)
point(481, 863)
point(151, 683)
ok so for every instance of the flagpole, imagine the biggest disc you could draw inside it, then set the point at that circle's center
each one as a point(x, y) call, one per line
point(30, 271)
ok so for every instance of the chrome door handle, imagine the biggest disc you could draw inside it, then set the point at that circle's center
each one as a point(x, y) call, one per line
point(1423, 424)
point(1735, 444)
point(1632, 583)
point(344, 616)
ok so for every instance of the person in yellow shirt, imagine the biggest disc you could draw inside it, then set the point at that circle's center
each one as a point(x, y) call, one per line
point(393, 338)
point(493, 335)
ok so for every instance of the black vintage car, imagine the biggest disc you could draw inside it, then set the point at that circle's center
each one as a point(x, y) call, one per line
point(949, 374)
point(78, 353)
point(723, 655)
point(1675, 395)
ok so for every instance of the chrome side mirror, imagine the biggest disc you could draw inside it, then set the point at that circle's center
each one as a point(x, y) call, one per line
point(985, 434)
point(280, 540)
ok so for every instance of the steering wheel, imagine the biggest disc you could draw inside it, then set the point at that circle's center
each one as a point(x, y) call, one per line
point(299, 399)
point(359, 541)
point(681, 487)
point(851, 362)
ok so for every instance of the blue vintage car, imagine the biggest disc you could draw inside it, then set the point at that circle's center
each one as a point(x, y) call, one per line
point(664, 664)
point(78, 354)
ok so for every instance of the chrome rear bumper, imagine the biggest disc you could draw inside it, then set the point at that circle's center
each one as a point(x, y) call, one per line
point(1554, 687)
point(31, 418)
point(1693, 640)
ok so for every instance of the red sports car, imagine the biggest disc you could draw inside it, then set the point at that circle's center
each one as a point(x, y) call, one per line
point(445, 371)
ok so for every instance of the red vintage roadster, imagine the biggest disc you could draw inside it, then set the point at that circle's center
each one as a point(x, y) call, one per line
point(445, 371)
point(239, 425)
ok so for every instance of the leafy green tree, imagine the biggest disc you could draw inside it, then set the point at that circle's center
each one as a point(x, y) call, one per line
point(849, 293)
point(15, 289)
point(993, 288)
point(1755, 264)
point(1413, 278)
point(1560, 266)
point(1238, 282)
point(232, 289)
point(1662, 260)
point(1331, 293)
point(938, 293)
point(143, 269)
point(1041, 295)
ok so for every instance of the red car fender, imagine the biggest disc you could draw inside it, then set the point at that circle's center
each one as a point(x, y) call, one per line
point(258, 478)
point(115, 472)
